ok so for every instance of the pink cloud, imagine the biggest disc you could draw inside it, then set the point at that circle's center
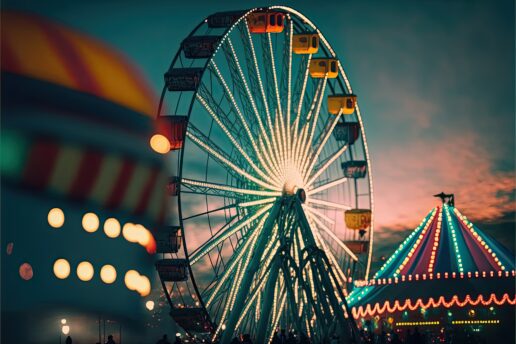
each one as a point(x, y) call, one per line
point(408, 175)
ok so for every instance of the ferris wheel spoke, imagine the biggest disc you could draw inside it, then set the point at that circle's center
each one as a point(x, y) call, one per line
point(274, 149)
point(223, 235)
point(306, 126)
point(229, 95)
point(234, 141)
point(257, 202)
point(333, 236)
point(308, 143)
point(302, 91)
point(212, 106)
point(209, 147)
point(232, 59)
point(326, 186)
point(327, 204)
point(335, 265)
point(271, 94)
point(222, 190)
point(237, 256)
point(253, 296)
point(289, 85)
point(318, 213)
point(279, 111)
point(308, 168)
point(325, 165)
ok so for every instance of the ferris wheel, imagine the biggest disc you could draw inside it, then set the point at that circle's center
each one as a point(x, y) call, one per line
point(270, 186)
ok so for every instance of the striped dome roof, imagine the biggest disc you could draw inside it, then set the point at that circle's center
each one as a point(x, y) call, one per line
point(446, 241)
point(37, 48)
point(76, 121)
point(447, 256)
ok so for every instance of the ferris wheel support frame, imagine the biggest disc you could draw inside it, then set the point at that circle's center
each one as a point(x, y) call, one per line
point(276, 147)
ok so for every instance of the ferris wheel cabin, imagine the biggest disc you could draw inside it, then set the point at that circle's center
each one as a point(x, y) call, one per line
point(347, 132)
point(169, 240)
point(266, 22)
point(172, 270)
point(358, 219)
point(223, 19)
point(322, 67)
point(354, 169)
point(305, 43)
point(183, 79)
point(344, 102)
point(199, 47)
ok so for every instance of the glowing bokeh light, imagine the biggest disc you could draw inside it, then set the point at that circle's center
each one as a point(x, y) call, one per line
point(131, 279)
point(61, 268)
point(108, 274)
point(85, 271)
point(25, 271)
point(112, 228)
point(65, 329)
point(149, 305)
point(160, 144)
point(56, 218)
point(90, 222)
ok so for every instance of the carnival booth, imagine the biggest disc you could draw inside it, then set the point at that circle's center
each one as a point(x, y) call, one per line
point(447, 277)
point(81, 190)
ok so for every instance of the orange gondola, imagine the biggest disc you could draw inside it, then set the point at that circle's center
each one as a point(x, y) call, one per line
point(266, 22)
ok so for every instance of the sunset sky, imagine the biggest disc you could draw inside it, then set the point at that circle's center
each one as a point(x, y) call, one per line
point(435, 81)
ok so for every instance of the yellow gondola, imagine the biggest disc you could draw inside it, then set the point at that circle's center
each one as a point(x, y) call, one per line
point(358, 219)
point(305, 43)
point(320, 67)
point(346, 102)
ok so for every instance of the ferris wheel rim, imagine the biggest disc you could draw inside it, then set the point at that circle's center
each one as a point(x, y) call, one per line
point(193, 100)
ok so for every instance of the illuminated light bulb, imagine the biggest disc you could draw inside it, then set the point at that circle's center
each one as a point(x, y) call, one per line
point(131, 279)
point(26, 271)
point(112, 228)
point(63, 321)
point(85, 271)
point(65, 329)
point(142, 235)
point(108, 274)
point(149, 305)
point(56, 218)
point(61, 268)
point(130, 232)
point(160, 144)
point(143, 286)
point(90, 222)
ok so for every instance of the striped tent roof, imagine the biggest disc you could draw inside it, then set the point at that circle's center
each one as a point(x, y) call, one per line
point(38, 48)
point(76, 121)
point(446, 260)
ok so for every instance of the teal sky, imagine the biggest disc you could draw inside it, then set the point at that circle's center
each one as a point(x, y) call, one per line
point(435, 81)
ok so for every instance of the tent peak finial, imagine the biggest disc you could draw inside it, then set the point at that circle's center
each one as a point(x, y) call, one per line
point(448, 199)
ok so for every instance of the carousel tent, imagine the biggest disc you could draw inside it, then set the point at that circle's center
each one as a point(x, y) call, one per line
point(446, 262)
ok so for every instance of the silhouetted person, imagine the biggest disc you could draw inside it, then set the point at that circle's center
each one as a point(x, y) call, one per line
point(247, 339)
point(164, 340)
point(303, 339)
point(275, 338)
point(291, 339)
point(68, 340)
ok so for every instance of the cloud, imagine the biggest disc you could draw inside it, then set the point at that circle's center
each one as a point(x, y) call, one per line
point(409, 174)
